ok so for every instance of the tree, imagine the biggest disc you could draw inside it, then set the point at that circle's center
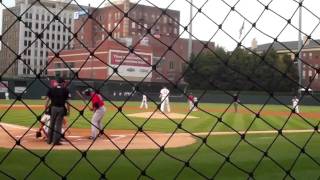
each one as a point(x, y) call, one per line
point(241, 70)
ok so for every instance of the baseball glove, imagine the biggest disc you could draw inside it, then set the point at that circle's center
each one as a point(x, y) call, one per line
point(38, 134)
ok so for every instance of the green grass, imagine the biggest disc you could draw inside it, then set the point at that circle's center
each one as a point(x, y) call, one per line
point(208, 119)
point(204, 160)
point(159, 165)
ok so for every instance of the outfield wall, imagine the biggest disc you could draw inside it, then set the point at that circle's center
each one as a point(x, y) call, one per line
point(119, 91)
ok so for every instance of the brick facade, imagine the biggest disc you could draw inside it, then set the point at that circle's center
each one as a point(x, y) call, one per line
point(148, 30)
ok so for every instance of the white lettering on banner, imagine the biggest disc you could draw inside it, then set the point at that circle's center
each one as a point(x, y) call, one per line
point(130, 65)
point(3, 86)
point(19, 89)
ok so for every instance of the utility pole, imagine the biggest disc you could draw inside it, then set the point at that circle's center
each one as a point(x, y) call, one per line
point(190, 32)
point(299, 50)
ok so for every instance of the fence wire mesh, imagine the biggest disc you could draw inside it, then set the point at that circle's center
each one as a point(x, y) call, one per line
point(42, 40)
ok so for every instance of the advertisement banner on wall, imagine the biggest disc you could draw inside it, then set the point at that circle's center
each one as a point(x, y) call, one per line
point(19, 89)
point(131, 65)
point(3, 86)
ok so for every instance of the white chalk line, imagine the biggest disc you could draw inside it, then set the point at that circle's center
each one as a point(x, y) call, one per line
point(218, 133)
point(222, 133)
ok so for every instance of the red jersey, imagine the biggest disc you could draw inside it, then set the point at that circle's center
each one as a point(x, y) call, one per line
point(97, 101)
point(191, 98)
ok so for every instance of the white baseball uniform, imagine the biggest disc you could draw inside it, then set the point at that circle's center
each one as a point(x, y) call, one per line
point(164, 95)
point(295, 105)
point(195, 100)
point(45, 119)
point(144, 103)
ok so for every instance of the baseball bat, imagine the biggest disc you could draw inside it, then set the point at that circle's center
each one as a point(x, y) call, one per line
point(81, 97)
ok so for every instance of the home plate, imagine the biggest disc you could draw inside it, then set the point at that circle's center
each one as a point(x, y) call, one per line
point(159, 115)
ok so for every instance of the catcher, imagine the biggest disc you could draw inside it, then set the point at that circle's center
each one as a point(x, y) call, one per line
point(44, 124)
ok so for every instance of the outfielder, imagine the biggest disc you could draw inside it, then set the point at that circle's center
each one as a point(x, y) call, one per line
point(295, 106)
point(164, 96)
point(144, 103)
point(99, 111)
point(236, 101)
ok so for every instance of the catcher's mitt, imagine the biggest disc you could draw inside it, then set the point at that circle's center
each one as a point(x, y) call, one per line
point(38, 134)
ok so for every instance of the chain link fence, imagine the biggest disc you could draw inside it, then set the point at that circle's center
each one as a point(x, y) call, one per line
point(124, 50)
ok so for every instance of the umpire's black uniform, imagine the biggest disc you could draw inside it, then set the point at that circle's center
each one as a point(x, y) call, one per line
point(58, 97)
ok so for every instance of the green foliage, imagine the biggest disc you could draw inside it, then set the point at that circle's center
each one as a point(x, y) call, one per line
point(242, 70)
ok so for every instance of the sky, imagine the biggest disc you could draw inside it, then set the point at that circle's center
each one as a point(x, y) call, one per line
point(270, 23)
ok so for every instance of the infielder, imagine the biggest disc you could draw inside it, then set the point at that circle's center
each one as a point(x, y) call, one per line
point(164, 96)
point(191, 102)
point(295, 106)
point(144, 103)
point(99, 111)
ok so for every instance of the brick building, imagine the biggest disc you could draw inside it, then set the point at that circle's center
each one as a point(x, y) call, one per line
point(153, 33)
point(20, 37)
point(310, 55)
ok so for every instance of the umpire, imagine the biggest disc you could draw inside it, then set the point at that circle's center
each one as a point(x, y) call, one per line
point(57, 97)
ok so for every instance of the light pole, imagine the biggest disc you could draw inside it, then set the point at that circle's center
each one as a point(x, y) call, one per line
point(299, 50)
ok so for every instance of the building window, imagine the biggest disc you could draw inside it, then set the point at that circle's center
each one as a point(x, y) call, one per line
point(37, 26)
point(37, 16)
point(310, 54)
point(175, 31)
point(42, 17)
point(165, 19)
point(171, 65)
point(57, 65)
point(133, 25)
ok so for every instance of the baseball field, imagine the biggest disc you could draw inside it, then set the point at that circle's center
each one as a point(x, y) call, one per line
point(262, 141)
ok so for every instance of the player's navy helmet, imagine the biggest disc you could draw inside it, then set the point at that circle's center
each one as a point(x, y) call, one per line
point(88, 91)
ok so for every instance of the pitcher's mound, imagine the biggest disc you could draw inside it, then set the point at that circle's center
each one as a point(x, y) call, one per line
point(159, 115)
